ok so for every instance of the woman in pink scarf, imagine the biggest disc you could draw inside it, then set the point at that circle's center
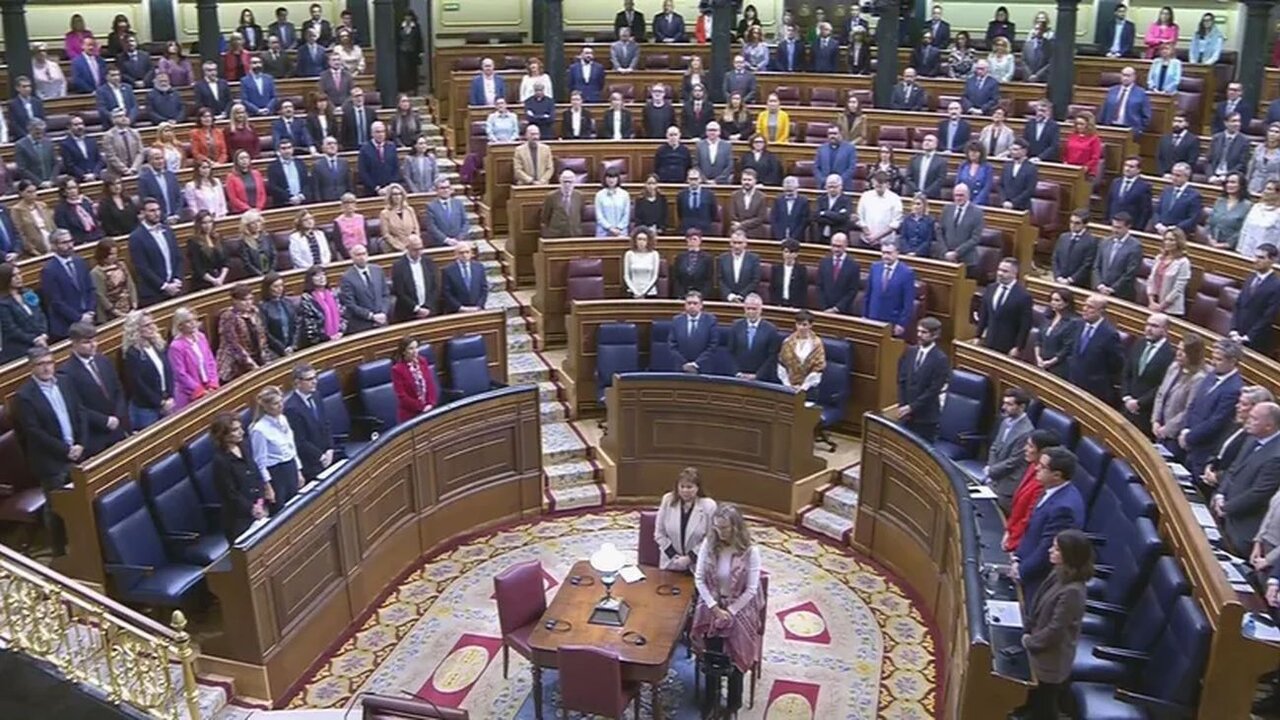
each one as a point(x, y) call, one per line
point(727, 620)
point(319, 318)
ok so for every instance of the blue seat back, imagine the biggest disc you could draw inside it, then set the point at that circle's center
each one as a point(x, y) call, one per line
point(129, 535)
point(198, 455)
point(468, 364)
point(1067, 428)
point(329, 388)
point(967, 407)
point(1144, 623)
point(617, 351)
point(660, 359)
point(173, 496)
point(722, 362)
point(1092, 460)
point(1133, 555)
point(1178, 657)
point(373, 387)
point(837, 381)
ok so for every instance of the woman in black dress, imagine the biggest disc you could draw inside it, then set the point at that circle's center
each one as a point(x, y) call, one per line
point(279, 318)
point(119, 214)
point(767, 166)
point(244, 495)
point(1058, 334)
point(651, 207)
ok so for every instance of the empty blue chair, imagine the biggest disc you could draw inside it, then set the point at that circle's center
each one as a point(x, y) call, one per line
point(617, 351)
point(722, 362)
point(660, 358)
point(1092, 462)
point(468, 360)
point(1136, 628)
point(329, 388)
point(198, 455)
point(180, 516)
point(377, 397)
point(967, 406)
point(832, 393)
point(1067, 428)
point(140, 569)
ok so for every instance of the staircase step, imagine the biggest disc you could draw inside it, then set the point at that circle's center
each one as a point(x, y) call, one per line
point(852, 476)
point(561, 443)
point(824, 522)
point(517, 324)
point(548, 390)
point(526, 369)
point(519, 343)
point(573, 473)
point(841, 500)
point(553, 411)
point(504, 301)
point(574, 498)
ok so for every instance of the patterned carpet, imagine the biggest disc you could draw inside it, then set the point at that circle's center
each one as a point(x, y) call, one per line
point(842, 640)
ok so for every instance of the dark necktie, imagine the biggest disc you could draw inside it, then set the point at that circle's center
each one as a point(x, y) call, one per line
point(1164, 72)
point(311, 403)
point(314, 243)
point(991, 144)
point(1085, 337)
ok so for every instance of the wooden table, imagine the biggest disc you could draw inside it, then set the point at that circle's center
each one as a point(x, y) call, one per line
point(659, 618)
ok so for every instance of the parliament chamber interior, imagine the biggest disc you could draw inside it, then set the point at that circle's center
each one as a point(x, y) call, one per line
point(640, 358)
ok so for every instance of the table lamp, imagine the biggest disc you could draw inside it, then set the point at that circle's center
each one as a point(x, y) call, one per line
point(609, 610)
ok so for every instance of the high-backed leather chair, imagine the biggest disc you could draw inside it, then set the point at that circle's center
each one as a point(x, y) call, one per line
point(468, 360)
point(833, 390)
point(136, 561)
point(660, 358)
point(329, 388)
point(198, 455)
point(21, 498)
point(967, 407)
point(1133, 626)
point(646, 545)
point(1067, 428)
point(179, 514)
point(1092, 460)
point(377, 397)
point(591, 682)
point(522, 599)
point(584, 280)
point(617, 351)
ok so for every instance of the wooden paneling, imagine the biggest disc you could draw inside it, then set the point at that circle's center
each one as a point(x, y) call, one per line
point(300, 572)
point(948, 289)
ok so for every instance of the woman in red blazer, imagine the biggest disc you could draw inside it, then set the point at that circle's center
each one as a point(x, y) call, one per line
point(1084, 147)
point(1029, 488)
point(413, 381)
point(244, 185)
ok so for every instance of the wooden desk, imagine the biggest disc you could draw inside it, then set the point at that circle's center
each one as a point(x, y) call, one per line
point(659, 618)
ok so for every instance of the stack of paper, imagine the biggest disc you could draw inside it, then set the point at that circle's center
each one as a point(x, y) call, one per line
point(1004, 613)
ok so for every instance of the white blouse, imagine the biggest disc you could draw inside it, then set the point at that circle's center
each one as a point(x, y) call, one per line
point(640, 272)
point(723, 568)
point(527, 83)
point(353, 59)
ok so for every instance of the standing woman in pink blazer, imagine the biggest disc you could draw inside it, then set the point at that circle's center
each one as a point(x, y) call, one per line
point(1163, 30)
point(684, 519)
point(195, 369)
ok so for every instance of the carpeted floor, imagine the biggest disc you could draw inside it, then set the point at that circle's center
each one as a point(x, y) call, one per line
point(842, 640)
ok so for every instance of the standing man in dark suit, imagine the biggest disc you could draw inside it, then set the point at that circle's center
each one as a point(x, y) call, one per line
point(1246, 490)
point(668, 27)
point(737, 271)
point(316, 21)
point(52, 428)
point(1258, 302)
point(1144, 371)
point(413, 283)
point(24, 107)
point(311, 57)
point(961, 229)
point(1060, 508)
point(926, 171)
point(1004, 317)
point(378, 165)
point(630, 18)
point(939, 29)
point(696, 113)
point(1117, 38)
point(789, 216)
point(1233, 104)
point(1115, 267)
point(1006, 460)
point(1127, 104)
point(1212, 406)
point(153, 249)
point(835, 211)
point(926, 58)
point(446, 217)
point(587, 76)
point(695, 205)
point(1180, 145)
point(283, 30)
point(293, 128)
point(891, 290)
point(363, 292)
point(288, 181)
point(213, 92)
point(331, 173)
point(1075, 252)
point(922, 372)
point(826, 50)
point(156, 180)
point(907, 95)
point(693, 269)
point(357, 121)
point(694, 335)
point(1096, 362)
point(789, 55)
point(1018, 179)
point(67, 287)
point(312, 431)
point(981, 91)
point(754, 343)
point(466, 286)
point(789, 280)
point(1130, 194)
point(80, 156)
point(953, 130)
point(101, 394)
point(1041, 134)
point(839, 278)
point(1229, 152)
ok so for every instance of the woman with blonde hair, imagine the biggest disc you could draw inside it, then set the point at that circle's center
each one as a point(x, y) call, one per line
point(399, 221)
point(774, 123)
point(1262, 224)
point(350, 224)
point(246, 190)
point(1001, 62)
point(727, 618)
point(349, 52)
point(195, 371)
point(240, 133)
point(1167, 284)
point(147, 372)
point(274, 449)
point(256, 258)
point(684, 519)
point(802, 357)
point(167, 143)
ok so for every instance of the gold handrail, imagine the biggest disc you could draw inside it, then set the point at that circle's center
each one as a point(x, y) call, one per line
point(93, 640)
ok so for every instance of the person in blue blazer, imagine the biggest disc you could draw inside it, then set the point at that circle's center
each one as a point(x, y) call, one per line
point(1018, 179)
point(164, 103)
point(312, 431)
point(290, 126)
point(891, 290)
point(825, 53)
point(923, 371)
point(258, 90)
point(477, 95)
point(80, 156)
point(377, 165)
point(23, 108)
point(1258, 303)
point(789, 216)
point(116, 94)
point(789, 56)
point(464, 292)
point(1130, 194)
point(835, 157)
point(953, 130)
point(981, 91)
point(311, 59)
point(1098, 358)
point(754, 343)
point(919, 230)
point(1117, 36)
point(88, 71)
point(1165, 72)
point(976, 173)
point(1180, 204)
point(695, 205)
point(1060, 508)
point(67, 287)
point(1137, 106)
point(1213, 406)
point(587, 77)
point(10, 240)
point(153, 250)
point(150, 387)
point(839, 277)
point(1041, 133)
point(668, 26)
point(694, 335)
point(159, 182)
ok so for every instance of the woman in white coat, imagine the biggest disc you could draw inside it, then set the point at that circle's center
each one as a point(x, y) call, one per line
point(684, 519)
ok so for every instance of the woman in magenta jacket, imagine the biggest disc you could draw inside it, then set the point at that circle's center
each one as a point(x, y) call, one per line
point(195, 370)
point(413, 381)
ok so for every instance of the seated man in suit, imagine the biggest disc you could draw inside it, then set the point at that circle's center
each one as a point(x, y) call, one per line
point(754, 343)
point(1041, 134)
point(377, 166)
point(835, 212)
point(1212, 406)
point(923, 370)
point(1115, 267)
point(258, 90)
point(1004, 316)
point(1060, 508)
point(1127, 104)
point(1245, 492)
point(891, 290)
point(288, 181)
point(1259, 300)
point(165, 103)
point(446, 220)
point(715, 157)
point(332, 175)
point(1229, 151)
point(926, 171)
point(789, 279)
point(693, 270)
point(1180, 145)
point(695, 205)
point(212, 91)
point(153, 251)
point(80, 156)
point(960, 228)
point(561, 214)
point(363, 292)
point(294, 128)
point(1006, 461)
point(532, 162)
point(156, 180)
point(465, 283)
point(954, 131)
point(1144, 371)
point(1130, 194)
point(1075, 252)
point(102, 399)
point(1180, 204)
point(35, 157)
point(1096, 362)
point(839, 278)
point(1018, 179)
point(835, 157)
point(66, 286)
point(737, 271)
point(414, 290)
point(24, 107)
point(907, 95)
point(981, 91)
point(789, 216)
point(312, 432)
point(52, 429)
point(1234, 103)
point(694, 335)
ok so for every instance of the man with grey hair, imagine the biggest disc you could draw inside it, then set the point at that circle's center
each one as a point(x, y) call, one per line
point(1212, 406)
point(66, 286)
point(35, 156)
point(835, 211)
point(1234, 438)
point(312, 432)
point(464, 282)
point(1097, 359)
point(754, 342)
point(446, 219)
point(740, 80)
point(1248, 485)
point(1145, 370)
point(377, 165)
point(156, 180)
point(1179, 205)
point(715, 156)
point(561, 214)
point(789, 217)
point(624, 53)
point(659, 113)
point(960, 229)
point(363, 292)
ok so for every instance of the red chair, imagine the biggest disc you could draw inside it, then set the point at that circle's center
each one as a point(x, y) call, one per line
point(522, 600)
point(647, 548)
point(591, 682)
point(822, 97)
point(584, 280)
